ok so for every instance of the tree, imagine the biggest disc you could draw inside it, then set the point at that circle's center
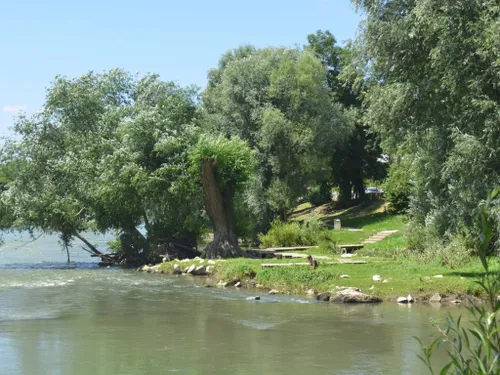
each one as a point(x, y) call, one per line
point(436, 102)
point(356, 159)
point(223, 165)
point(278, 101)
point(108, 152)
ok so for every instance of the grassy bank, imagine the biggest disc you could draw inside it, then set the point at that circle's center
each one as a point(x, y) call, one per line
point(402, 277)
point(388, 258)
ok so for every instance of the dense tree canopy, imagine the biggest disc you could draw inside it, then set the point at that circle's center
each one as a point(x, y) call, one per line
point(436, 101)
point(277, 99)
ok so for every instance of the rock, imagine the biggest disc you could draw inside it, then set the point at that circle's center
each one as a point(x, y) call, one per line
point(197, 258)
point(210, 270)
point(210, 261)
point(377, 278)
point(311, 292)
point(273, 291)
point(222, 283)
point(456, 301)
point(146, 268)
point(259, 286)
point(385, 281)
point(185, 270)
point(155, 268)
point(201, 270)
point(201, 261)
point(324, 297)
point(347, 255)
point(344, 276)
point(235, 280)
point(402, 300)
point(438, 276)
point(256, 298)
point(354, 296)
point(177, 269)
point(191, 269)
point(372, 287)
point(436, 298)
point(237, 285)
point(346, 289)
point(410, 298)
point(185, 260)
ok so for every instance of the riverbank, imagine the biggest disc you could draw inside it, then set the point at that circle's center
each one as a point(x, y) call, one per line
point(378, 277)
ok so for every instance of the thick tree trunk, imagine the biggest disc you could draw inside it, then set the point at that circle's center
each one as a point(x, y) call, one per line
point(219, 206)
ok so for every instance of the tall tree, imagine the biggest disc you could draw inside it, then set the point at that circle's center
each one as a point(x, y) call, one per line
point(277, 100)
point(357, 158)
point(108, 152)
point(223, 165)
point(436, 101)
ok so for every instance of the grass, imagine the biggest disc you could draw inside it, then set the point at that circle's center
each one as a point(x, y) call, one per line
point(388, 258)
point(404, 276)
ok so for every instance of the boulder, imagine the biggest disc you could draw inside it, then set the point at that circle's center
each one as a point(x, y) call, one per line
point(436, 298)
point(222, 283)
point(177, 269)
point(210, 270)
point(273, 291)
point(354, 296)
point(146, 268)
point(200, 270)
point(402, 300)
point(191, 269)
point(377, 278)
point(324, 297)
point(237, 285)
point(346, 289)
point(185, 270)
point(311, 292)
point(256, 298)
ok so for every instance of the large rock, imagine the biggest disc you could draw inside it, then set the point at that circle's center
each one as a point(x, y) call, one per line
point(238, 285)
point(210, 270)
point(256, 298)
point(354, 295)
point(273, 291)
point(324, 297)
point(201, 270)
point(191, 269)
point(177, 269)
point(377, 278)
point(436, 298)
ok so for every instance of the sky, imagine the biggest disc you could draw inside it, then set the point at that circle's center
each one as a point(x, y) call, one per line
point(180, 40)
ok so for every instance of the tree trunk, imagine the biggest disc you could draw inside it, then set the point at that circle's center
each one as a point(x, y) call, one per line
point(219, 206)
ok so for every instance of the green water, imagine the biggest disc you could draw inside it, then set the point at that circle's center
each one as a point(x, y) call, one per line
point(81, 319)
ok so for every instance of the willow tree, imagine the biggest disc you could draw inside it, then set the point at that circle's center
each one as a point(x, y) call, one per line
point(435, 102)
point(108, 152)
point(276, 99)
point(223, 166)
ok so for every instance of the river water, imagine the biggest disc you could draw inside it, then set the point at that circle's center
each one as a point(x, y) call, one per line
point(80, 319)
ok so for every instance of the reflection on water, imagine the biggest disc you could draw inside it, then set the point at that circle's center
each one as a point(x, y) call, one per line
point(88, 320)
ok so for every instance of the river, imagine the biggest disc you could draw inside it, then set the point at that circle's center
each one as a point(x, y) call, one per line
point(80, 319)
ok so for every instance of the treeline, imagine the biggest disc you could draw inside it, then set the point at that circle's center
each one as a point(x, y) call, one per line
point(417, 92)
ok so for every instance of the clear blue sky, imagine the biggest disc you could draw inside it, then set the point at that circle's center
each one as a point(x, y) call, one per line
point(180, 40)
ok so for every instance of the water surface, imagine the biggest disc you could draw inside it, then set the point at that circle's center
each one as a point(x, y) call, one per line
point(63, 319)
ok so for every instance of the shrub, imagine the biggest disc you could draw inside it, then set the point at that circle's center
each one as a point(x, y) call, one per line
point(474, 350)
point(294, 234)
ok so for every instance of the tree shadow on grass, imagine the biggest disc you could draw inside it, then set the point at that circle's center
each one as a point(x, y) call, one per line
point(469, 274)
point(358, 222)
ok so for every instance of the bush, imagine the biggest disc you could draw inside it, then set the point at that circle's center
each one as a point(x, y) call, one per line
point(294, 234)
point(474, 349)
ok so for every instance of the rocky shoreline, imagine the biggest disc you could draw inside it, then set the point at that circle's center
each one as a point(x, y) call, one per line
point(340, 294)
